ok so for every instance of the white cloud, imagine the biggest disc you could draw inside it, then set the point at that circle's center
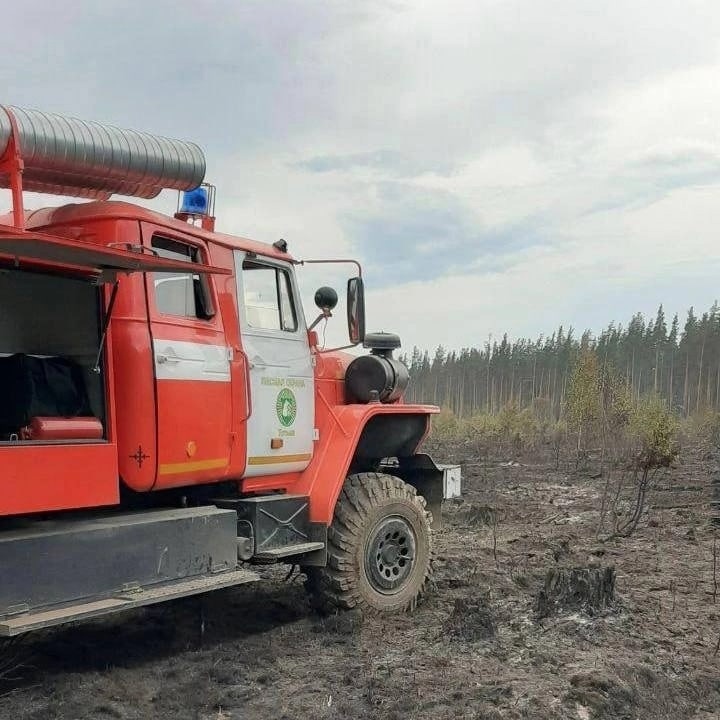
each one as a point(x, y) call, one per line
point(571, 149)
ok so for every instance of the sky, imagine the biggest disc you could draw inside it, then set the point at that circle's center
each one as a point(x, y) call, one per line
point(496, 165)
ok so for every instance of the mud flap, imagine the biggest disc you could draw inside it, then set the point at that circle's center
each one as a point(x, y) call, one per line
point(434, 482)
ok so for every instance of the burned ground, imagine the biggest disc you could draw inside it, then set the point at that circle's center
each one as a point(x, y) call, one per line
point(478, 647)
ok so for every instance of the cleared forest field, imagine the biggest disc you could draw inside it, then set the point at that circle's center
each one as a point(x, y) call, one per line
point(476, 648)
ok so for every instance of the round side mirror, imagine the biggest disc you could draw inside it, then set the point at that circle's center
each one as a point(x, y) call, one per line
point(326, 298)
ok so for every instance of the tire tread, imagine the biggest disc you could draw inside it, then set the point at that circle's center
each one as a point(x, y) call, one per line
point(336, 586)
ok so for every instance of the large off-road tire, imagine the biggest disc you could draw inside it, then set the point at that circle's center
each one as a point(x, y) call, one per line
point(379, 548)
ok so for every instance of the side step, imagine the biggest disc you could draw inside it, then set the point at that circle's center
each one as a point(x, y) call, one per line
point(274, 527)
point(66, 568)
point(26, 622)
point(288, 550)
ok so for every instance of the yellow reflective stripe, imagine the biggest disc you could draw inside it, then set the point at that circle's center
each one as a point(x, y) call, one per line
point(278, 459)
point(192, 466)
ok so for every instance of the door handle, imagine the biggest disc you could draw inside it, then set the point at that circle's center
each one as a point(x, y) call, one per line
point(162, 359)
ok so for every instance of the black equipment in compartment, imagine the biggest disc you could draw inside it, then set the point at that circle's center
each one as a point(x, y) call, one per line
point(33, 386)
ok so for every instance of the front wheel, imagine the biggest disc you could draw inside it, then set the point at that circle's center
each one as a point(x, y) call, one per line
point(379, 547)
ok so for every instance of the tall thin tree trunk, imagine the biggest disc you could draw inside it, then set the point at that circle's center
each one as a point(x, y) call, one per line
point(657, 362)
point(532, 399)
point(708, 390)
point(702, 352)
point(487, 386)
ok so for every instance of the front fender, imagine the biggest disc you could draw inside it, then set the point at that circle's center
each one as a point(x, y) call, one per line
point(342, 436)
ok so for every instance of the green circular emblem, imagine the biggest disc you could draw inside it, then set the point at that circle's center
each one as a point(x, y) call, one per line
point(286, 407)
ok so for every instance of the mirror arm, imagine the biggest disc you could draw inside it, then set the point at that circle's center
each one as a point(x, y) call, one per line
point(324, 315)
point(330, 262)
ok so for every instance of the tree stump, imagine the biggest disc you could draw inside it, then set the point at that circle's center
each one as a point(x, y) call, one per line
point(589, 589)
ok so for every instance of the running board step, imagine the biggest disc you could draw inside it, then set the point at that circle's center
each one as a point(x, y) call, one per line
point(272, 527)
point(288, 550)
point(52, 563)
point(18, 624)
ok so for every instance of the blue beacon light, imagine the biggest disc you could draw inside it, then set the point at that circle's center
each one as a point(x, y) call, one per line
point(195, 202)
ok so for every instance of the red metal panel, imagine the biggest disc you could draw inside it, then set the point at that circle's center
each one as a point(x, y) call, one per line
point(194, 433)
point(194, 440)
point(40, 478)
point(133, 387)
point(68, 219)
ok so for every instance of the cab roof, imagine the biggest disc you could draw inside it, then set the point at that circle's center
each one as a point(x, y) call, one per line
point(49, 218)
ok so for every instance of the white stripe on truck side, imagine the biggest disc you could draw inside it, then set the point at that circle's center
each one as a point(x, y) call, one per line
point(181, 360)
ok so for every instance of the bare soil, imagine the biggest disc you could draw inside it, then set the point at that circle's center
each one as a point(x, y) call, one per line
point(476, 648)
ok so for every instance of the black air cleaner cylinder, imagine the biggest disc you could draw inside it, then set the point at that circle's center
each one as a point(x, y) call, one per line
point(380, 373)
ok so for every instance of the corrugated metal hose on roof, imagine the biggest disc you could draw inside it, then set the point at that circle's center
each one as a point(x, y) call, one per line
point(67, 156)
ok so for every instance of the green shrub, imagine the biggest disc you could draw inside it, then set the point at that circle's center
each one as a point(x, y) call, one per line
point(654, 432)
point(512, 430)
point(584, 399)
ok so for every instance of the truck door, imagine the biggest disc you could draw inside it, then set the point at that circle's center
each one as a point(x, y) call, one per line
point(282, 397)
point(192, 367)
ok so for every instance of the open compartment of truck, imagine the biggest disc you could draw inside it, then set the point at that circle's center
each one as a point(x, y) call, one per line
point(49, 343)
point(57, 447)
point(55, 435)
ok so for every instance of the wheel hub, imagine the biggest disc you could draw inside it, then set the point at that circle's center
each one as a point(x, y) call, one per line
point(390, 554)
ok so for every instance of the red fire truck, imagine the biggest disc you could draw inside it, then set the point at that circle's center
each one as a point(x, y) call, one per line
point(167, 418)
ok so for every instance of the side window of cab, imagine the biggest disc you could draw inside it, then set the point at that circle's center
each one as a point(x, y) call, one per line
point(187, 294)
point(269, 301)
